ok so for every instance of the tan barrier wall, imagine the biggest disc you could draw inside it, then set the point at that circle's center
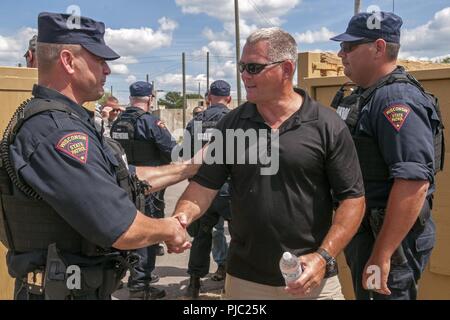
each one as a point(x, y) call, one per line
point(15, 86)
point(435, 283)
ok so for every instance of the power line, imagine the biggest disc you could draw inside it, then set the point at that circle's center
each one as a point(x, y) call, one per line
point(260, 13)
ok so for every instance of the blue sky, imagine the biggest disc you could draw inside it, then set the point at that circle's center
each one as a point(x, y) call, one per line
point(151, 35)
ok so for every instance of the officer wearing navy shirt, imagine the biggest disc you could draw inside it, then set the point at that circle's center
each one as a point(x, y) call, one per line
point(70, 206)
point(147, 142)
point(397, 131)
point(200, 129)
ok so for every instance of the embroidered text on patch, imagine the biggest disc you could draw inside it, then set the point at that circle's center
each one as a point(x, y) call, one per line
point(397, 115)
point(76, 145)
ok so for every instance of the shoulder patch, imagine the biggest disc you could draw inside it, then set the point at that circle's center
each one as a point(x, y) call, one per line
point(161, 124)
point(397, 114)
point(75, 145)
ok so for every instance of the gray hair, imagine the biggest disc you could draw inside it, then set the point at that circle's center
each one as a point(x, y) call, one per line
point(48, 53)
point(282, 46)
point(392, 50)
point(139, 99)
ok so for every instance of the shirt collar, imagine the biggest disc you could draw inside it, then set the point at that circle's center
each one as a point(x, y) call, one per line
point(42, 92)
point(218, 106)
point(307, 112)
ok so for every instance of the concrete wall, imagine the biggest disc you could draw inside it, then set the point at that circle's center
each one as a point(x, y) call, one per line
point(435, 283)
point(173, 118)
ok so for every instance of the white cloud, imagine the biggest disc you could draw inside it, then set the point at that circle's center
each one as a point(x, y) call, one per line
point(119, 69)
point(12, 48)
point(245, 29)
point(322, 35)
point(201, 53)
point(221, 48)
point(130, 79)
point(174, 82)
point(127, 60)
point(428, 41)
point(258, 11)
point(226, 71)
point(132, 42)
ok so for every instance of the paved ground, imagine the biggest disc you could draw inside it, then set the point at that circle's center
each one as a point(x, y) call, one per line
point(172, 268)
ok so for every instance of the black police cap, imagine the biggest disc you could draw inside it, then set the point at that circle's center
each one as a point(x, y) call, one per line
point(220, 88)
point(60, 29)
point(141, 89)
point(376, 25)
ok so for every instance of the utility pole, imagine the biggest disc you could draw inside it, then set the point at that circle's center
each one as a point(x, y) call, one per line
point(155, 94)
point(357, 6)
point(111, 90)
point(393, 5)
point(147, 78)
point(238, 50)
point(207, 71)
point(184, 89)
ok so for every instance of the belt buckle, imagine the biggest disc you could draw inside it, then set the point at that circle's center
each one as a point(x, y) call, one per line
point(35, 282)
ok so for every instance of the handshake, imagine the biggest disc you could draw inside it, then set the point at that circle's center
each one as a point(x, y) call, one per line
point(177, 241)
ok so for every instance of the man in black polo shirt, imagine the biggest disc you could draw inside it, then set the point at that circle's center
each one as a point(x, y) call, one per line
point(285, 204)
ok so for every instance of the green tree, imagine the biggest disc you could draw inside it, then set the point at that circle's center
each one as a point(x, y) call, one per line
point(446, 60)
point(194, 96)
point(173, 100)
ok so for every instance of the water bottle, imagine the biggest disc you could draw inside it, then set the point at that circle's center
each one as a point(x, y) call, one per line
point(290, 267)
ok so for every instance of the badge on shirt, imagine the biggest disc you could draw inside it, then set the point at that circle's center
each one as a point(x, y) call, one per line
point(75, 145)
point(397, 114)
point(161, 124)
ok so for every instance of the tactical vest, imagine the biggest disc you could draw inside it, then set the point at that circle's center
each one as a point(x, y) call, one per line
point(139, 152)
point(209, 122)
point(373, 166)
point(27, 222)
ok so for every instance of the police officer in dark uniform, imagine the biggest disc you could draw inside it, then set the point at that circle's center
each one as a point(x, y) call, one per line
point(199, 129)
point(69, 206)
point(397, 130)
point(147, 142)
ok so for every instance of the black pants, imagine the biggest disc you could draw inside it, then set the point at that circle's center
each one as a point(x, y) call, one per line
point(199, 256)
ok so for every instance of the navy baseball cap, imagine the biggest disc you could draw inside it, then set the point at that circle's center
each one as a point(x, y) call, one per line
point(56, 28)
point(376, 25)
point(220, 88)
point(141, 89)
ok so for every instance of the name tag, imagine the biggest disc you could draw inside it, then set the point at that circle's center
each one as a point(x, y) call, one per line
point(120, 135)
point(343, 112)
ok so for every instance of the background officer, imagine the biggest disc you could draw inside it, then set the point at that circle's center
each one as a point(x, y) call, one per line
point(394, 124)
point(30, 55)
point(147, 142)
point(69, 198)
point(218, 98)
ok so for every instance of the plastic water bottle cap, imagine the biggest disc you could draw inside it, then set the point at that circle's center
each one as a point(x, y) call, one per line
point(287, 256)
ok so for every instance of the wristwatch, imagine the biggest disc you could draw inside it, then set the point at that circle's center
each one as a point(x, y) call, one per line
point(331, 268)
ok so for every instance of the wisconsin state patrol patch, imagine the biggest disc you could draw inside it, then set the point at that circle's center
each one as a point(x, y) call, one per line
point(397, 114)
point(75, 145)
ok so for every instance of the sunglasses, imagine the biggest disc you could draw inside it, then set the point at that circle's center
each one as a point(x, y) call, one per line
point(255, 68)
point(347, 47)
point(116, 110)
